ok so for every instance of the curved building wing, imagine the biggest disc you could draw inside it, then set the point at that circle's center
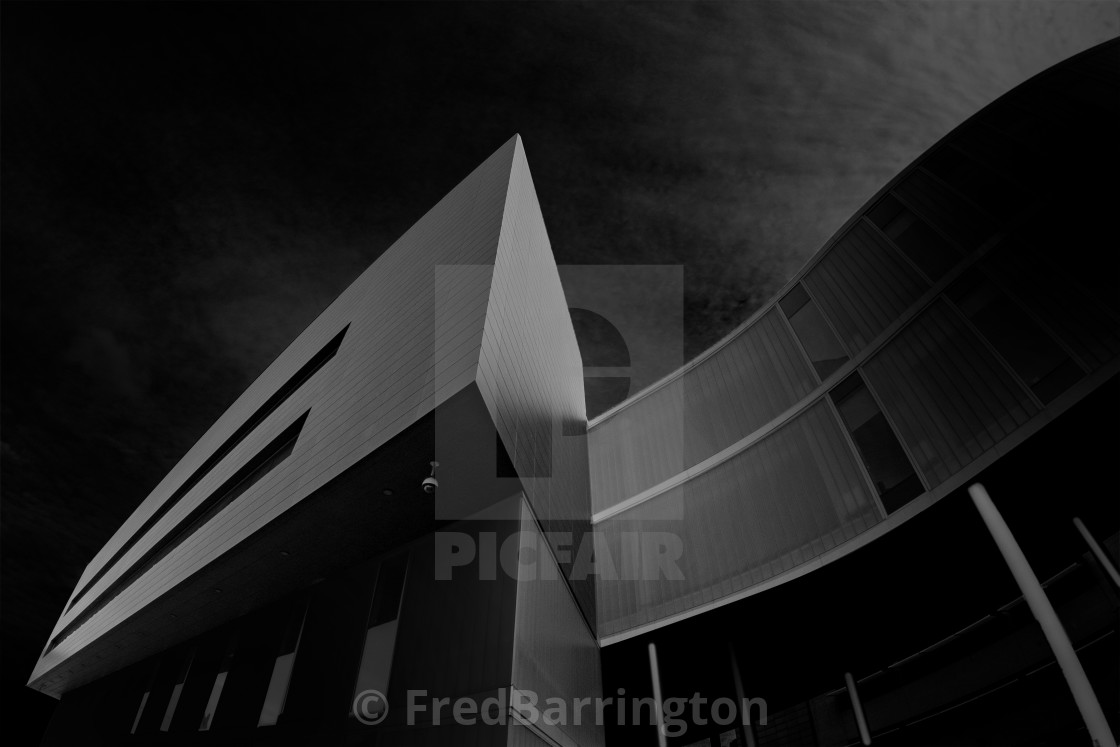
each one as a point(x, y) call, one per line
point(967, 304)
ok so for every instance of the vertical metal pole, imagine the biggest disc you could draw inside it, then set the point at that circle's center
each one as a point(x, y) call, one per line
point(741, 699)
point(1043, 611)
point(857, 708)
point(658, 713)
point(1098, 552)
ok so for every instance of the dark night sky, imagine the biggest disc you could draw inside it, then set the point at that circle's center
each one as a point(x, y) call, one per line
point(186, 186)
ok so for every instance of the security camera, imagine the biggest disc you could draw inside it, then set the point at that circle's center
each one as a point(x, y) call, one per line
point(430, 483)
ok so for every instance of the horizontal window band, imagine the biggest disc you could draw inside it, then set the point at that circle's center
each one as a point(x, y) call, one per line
point(249, 475)
point(305, 372)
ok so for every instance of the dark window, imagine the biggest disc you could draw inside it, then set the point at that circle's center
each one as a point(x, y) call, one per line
point(1040, 362)
point(308, 369)
point(215, 695)
point(177, 691)
point(260, 636)
point(972, 180)
point(1021, 124)
point(162, 695)
point(820, 343)
point(260, 465)
point(149, 676)
point(277, 692)
point(381, 631)
point(925, 247)
point(886, 461)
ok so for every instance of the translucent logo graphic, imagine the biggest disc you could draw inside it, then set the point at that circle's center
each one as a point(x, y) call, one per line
point(522, 362)
point(370, 707)
point(632, 556)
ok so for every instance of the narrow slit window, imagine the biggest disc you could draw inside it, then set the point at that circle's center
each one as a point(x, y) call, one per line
point(381, 631)
point(1039, 361)
point(277, 693)
point(890, 469)
point(151, 678)
point(279, 449)
point(824, 350)
point(931, 252)
point(177, 691)
point(219, 684)
point(281, 395)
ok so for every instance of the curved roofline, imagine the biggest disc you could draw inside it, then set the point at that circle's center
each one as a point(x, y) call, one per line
point(818, 255)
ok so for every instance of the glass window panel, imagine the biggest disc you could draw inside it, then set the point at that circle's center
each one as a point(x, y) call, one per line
point(212, 702)
point(975, 182)
point(381, 633)
point(820, 343)
point(148, 678)
point(140, 711)
point(950, 164)
point(886, 461)
point(219, 685)
point(929, 250)
point(282, 669)
point(948, 395)
point(1033, 354)
point(177, 691)
point(390, 585)
point(885, 211)
point(1021, 124)
point(794, 300)
point(167, 671)
point(925, 247)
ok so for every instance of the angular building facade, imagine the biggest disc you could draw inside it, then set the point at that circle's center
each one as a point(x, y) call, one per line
point(803, 482)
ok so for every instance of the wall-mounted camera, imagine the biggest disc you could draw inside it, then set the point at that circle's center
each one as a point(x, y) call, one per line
point(430, 482)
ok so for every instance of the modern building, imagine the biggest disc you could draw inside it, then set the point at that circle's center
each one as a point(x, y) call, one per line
point(784, 519)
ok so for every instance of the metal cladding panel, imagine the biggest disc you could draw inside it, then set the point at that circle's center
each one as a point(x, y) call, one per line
point(951, 399)
point(862, 284)
point(530, 372)
point(638, 446)
point(1079, 320)
point(357, 402)
point(748, 382)
point(782, 501)
point(942, 207)
point(754, 378)
point(555, 654)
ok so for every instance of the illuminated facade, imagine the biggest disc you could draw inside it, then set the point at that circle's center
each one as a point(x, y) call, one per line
point(964, 325)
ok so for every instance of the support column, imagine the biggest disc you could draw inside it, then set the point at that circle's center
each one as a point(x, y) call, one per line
point(1098, 552)
point(857, 708)
point(1043, 611)
point(741, 700)
point(659, 714)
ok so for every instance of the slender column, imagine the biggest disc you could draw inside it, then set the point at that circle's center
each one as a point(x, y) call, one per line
point(1098, 552)
point(1043, 611)
point(857, 708)
point(741, 700)
point(658, 713)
